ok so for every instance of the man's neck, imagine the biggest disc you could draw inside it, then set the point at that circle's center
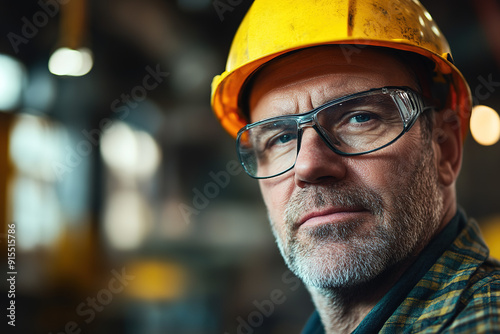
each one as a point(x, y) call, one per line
point(342, 309)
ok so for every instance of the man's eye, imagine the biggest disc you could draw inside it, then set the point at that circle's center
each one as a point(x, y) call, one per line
point(361, 118)
point(285, 138)
point(281, 139)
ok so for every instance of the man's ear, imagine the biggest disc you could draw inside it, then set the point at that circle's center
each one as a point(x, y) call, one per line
point(448, 143)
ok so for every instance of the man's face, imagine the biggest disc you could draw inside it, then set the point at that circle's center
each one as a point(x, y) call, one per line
point(340, 221)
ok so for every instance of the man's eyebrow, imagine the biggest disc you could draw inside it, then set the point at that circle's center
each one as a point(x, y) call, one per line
point(266, 126)
point(357, 100)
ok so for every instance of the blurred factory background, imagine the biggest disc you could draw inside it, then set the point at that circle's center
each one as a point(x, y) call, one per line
point(131, 214)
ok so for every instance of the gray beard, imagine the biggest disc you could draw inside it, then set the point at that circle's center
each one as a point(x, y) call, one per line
point(332, 256)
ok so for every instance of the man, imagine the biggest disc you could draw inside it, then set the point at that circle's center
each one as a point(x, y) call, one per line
point(352, 116)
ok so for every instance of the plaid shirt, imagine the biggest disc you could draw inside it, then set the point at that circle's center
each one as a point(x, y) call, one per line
point(453, 287)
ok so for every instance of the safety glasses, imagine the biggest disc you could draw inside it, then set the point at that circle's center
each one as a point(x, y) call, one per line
point(351, 125)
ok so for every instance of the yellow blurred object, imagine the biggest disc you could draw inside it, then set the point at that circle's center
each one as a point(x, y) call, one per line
point(156, 280)
point(274, 27)
point(73, 24)
point(75, 244)
point(491, 233)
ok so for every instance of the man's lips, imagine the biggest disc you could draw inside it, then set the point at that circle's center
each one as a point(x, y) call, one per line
point(330, 215)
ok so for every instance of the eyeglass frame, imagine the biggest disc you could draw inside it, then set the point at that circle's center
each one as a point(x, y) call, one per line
point(308, 119)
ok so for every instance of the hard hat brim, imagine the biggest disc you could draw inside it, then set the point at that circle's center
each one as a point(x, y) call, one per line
point(228, 87)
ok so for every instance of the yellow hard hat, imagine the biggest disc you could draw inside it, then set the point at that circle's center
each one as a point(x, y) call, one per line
point(274, 27)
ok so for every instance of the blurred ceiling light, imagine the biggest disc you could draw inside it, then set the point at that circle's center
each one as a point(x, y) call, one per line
point(12, 78)
point(131, 152)
point(119, 147)
point(149, 155)
point(125, 220)
point(36, 211)
point(72, 58)
point(66, 61)
point(34, 145)
point(485, 125)
point(27, 141)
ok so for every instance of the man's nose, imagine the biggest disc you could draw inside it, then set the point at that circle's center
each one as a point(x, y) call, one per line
point(316, 162)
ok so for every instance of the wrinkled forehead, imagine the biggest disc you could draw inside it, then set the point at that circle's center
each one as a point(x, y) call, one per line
point(322, 74)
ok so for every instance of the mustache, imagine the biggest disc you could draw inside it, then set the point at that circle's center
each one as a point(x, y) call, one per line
point(336, 194)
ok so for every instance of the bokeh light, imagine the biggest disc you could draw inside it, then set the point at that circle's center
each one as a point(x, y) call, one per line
point(12, 77)
point(130, 152)
point(65, 61)
point(485, 125)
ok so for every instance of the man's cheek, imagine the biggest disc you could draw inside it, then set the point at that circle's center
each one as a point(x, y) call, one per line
point(276, 208)
point(275, 196)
